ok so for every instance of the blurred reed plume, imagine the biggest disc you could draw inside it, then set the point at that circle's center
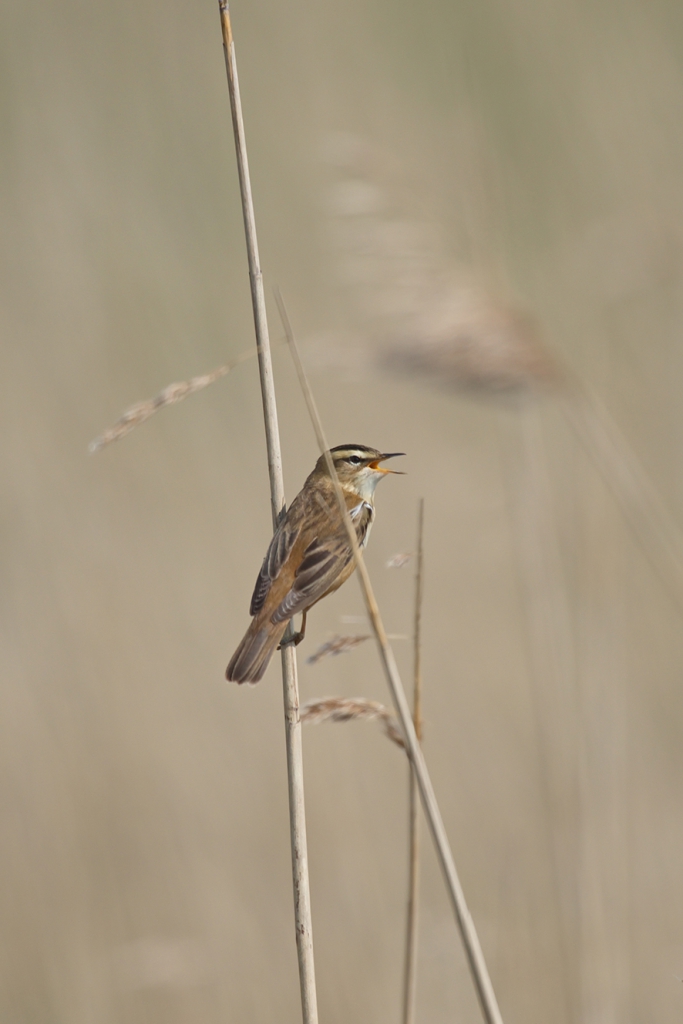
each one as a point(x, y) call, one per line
point(350, 709)
point(171, 394)
point(421, 310)
point(465, 340)
point(337, 645)
point(399, 560)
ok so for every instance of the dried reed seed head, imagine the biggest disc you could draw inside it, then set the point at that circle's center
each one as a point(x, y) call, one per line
point(337, 645)
point(347, 709)
point(172, 393)
point(467, 341)
point(426, 314)
point(399, 560)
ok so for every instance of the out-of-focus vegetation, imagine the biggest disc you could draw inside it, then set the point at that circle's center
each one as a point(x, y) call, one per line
point(495, 164)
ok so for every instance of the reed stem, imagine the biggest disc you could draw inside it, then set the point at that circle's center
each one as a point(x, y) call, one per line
point(640, 502)
point(468, 932)
point(297, 815)
point(410, 971)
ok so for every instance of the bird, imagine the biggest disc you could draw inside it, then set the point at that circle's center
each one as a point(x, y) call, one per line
point(310, 555)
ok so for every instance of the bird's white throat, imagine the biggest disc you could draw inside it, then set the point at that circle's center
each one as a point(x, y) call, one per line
point(365, 483)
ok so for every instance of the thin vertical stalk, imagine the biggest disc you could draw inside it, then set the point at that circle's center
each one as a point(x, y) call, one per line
point(410, 970)
point(297, 815)
point(642, 506)
point(552, 667)
point(468, 932)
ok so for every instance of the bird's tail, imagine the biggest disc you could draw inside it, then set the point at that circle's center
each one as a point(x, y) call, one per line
point(251, 658)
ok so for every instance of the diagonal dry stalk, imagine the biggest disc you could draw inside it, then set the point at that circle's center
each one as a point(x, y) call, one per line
point(410, 968)
point(468, 932)
point(302, 899)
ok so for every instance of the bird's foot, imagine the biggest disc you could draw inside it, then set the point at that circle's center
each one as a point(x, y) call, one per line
point(291, 641)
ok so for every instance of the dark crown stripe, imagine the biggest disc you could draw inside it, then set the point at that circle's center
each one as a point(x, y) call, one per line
point(353, 448)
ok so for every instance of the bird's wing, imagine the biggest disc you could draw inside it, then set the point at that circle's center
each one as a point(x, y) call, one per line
point(321, 564)
point(277, 554)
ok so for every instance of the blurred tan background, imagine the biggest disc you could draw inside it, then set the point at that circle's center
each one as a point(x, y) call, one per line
point(529, 153)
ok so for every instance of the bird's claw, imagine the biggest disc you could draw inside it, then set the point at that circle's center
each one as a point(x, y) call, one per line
point(292, 641)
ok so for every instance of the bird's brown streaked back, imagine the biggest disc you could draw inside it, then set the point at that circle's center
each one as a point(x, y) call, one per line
point(309, 555)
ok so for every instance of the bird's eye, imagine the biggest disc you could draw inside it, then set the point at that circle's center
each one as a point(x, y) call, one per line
point(354, 460)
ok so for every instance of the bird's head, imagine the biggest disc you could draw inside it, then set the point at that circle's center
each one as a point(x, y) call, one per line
point(358, 467)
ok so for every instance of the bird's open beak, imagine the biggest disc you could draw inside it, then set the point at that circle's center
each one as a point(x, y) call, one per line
point(389, 455)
